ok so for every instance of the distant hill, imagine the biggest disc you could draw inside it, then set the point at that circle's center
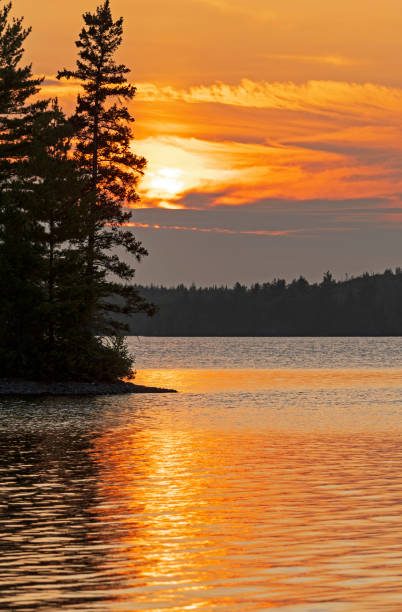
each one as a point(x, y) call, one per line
point(368, 305)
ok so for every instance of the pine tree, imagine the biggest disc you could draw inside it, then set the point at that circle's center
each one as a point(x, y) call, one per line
point(49, 180)
point(69, 348)
point(103, 151)
point(17, 86)
point(61, 215)
point(20, 290)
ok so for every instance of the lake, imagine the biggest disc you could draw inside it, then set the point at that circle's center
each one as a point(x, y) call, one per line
point(272, 481)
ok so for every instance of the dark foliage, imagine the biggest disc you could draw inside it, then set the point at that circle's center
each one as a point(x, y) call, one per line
point(20, 254)
point(103, 137)
point(62, 186)
point(369, 305)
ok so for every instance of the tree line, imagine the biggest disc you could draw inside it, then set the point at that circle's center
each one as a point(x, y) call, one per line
point(368, 305)
point(64, 182)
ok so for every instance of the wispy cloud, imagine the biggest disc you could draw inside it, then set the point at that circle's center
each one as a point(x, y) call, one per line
point(233, 173)
point(313, 96)
point(325, 97)
point(276, 217)
point(222, 230)
point(240, 143)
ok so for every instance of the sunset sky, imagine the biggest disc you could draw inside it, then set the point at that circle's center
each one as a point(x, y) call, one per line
point(273, 131)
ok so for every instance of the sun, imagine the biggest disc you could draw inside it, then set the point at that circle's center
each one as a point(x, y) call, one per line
point(167, 182)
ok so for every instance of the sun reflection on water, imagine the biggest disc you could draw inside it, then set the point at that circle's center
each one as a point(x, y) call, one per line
point(247, 520)
point(285, 498)
point(210, 381)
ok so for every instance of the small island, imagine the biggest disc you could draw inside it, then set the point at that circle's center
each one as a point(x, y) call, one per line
point(67, 187)
point(34, 388)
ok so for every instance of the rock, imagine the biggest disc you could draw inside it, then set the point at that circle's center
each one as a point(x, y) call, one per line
point(23, 387)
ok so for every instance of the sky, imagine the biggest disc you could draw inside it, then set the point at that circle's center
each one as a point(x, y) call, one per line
point(272, 131)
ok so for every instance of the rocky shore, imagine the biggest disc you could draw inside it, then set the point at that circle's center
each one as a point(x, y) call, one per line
point(23, 387)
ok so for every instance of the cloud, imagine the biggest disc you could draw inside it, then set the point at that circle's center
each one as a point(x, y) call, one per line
point(339, 98)
point(275, 217)
point(233, 173)
point(239, 143)
point(219, 230)
point(324, 97)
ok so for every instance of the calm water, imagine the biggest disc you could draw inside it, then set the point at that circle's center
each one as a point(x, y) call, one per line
point(273, 481)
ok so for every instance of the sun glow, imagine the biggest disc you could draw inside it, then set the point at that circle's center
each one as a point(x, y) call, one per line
point(167, 181)
point(193, 167)
point(170, 206)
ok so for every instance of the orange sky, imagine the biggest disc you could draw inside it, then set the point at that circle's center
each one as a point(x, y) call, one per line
point(271, 107)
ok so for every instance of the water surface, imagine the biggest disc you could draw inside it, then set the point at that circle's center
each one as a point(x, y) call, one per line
point(260, 486)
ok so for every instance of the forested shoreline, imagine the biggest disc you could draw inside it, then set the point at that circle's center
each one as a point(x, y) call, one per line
point(368, 305)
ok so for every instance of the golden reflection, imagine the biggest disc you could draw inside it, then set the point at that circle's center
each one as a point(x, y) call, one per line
point(201, 381)
point(200, 519)
point(171, 495)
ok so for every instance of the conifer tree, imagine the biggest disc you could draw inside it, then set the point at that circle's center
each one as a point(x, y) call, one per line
point(48, 179)
point(61, 213)
point(68, 345)
point(19, 254)
point(103, 151)
point(17, 86)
